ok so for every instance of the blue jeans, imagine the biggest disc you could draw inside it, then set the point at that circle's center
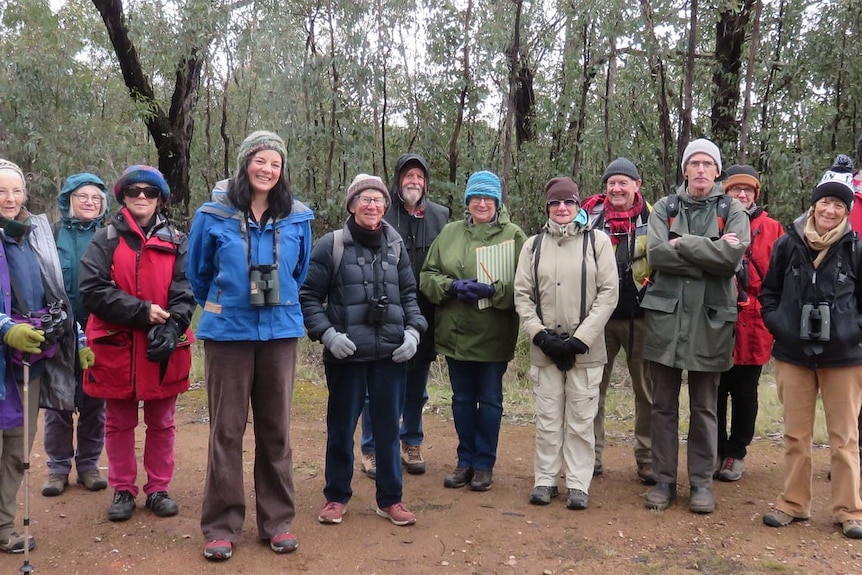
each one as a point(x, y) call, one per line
point(477, 407)
point(384, 382)
point(411, 411)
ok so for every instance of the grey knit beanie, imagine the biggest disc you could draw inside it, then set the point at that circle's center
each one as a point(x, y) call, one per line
point(261, 140)
point(621, 167)
point(365, 182)
point(702, 146)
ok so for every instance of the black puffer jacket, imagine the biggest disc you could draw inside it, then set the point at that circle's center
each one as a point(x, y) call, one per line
point(340, 298)
point(791, 283)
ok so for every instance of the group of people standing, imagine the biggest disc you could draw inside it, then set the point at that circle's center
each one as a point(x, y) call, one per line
point(96, 314)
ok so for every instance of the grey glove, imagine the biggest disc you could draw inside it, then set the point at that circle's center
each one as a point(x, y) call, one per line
point(408, 348)
point(338, 344)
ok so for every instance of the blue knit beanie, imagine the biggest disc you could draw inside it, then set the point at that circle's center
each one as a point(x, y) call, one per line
point(141, 174)
point(484, 183)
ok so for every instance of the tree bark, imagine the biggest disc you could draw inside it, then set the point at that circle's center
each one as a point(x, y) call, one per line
point(688, 86)
point(753, 47)
point(729, 39)
point(172, 131)
point(514, 72)
point(462, 98)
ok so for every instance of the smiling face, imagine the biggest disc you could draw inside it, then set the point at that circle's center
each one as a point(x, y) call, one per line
point(621, 191)
point(412, 186)
point(86, 202)
point(368, 208)
point(562, 211)
point(137, 200)
point(12, 193)
point(828, 213)
point(483, 209)
point(743, 193)
point(701, 172)
point(264, 171)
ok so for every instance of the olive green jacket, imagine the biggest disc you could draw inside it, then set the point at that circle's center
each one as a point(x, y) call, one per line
point(690, 304)
point(462, 331)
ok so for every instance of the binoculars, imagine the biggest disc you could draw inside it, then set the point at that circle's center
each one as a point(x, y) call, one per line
point(375, 313)
point(264, 288)
point(814, 324)
point(54, 321)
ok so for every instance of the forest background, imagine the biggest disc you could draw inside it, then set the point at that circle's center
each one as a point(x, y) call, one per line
point(528, 89)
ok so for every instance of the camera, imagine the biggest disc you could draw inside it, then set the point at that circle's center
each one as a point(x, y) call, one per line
point(376, 312)
point(814, 324)
point(264, 287)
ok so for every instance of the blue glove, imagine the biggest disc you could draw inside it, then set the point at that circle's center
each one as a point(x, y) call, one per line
point(338, 344)
point(463, 290)
point(408, 348)
point(483, 290)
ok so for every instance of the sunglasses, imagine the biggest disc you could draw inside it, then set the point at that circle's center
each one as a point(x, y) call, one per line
point(150, 192)
point(556, 203)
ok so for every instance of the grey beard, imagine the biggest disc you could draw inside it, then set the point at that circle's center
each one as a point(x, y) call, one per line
point(411, 196)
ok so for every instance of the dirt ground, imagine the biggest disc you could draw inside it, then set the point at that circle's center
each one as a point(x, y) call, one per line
point(458, 531)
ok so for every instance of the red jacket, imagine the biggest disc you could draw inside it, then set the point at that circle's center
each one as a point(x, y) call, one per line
point(140, 270)
point(753, 340)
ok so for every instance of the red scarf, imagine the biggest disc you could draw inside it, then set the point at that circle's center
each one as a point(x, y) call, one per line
point(619, 223)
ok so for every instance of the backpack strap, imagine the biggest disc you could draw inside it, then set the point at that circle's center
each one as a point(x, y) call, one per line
point(337, 250)
point(537, 253)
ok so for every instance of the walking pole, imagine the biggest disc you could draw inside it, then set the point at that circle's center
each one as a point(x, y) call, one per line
point(25, 400)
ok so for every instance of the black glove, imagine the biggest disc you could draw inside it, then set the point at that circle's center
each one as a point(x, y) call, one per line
point(162, 340)
point(551, 345)
point(576, 346)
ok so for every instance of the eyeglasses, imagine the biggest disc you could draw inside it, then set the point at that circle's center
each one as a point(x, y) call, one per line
point(476, 200)
point(556, 203)
point(367, 201)
point(698, 164)
point(737, 191)
point(84, 198)
point(150, 192)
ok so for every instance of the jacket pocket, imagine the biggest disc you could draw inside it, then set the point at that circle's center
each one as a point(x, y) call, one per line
point(180, 362)
point(113, 367)
point(659, 303)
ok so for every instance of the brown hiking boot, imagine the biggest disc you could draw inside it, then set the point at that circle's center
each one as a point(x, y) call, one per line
point(411, 459)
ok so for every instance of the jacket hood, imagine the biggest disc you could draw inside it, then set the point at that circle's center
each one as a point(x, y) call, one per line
point(74, 182)
point(395, 188)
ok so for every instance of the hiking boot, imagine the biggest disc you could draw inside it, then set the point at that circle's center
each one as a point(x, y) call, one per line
point(398, 514)
point(411, 459)
point(459, 477)
point(482, 480)
point(218, 550)
point(700, 500)
point(369, 465)
point(92, 480)
point(578, 500)
point(15, 543)
point(645, 473)
point(778, 518)
point(161, 504)
point(284, 543)
point(332, 513)
point(598, 469)
point(852, 529)
point(55, 484)
point(122, 507)
point(660, 496)
point(731, 469)
point(542, 495)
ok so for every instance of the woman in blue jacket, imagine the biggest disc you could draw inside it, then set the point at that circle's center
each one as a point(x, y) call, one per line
point(249, 250)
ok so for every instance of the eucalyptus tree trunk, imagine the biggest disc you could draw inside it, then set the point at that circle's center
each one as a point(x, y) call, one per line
point(658, 73)
point(687, 87)
point(588, 73)
point(172, 131)
point(729, 40)
point(514, 57)
point(753, 47)
point(462, 98)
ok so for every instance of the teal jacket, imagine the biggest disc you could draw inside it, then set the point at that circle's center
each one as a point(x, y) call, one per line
point(462, 331)
point(690, 304)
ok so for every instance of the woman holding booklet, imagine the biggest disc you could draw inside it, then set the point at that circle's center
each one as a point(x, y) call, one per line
point(468, 275)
